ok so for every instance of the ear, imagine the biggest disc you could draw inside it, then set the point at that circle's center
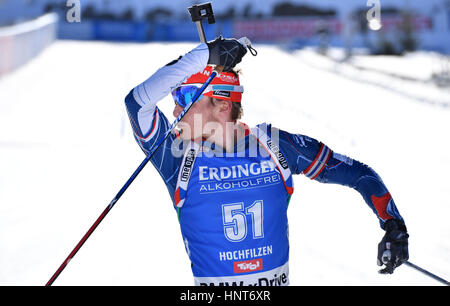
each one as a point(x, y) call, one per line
point(225, 106)
point(222, 109)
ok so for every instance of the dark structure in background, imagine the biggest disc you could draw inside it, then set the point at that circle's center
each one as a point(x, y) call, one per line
point(289, 9)
point(291, 23)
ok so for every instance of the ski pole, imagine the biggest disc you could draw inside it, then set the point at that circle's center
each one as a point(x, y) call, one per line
point(433, 276)
point(131, 179)
point(197, 13)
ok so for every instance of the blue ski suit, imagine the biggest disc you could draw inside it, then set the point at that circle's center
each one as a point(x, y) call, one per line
point(232, 206)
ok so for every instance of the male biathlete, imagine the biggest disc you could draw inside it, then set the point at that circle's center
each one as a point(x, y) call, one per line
point(231, 184)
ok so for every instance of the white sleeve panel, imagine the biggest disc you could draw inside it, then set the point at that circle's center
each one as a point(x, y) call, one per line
point(164, 80)
point(167, 78)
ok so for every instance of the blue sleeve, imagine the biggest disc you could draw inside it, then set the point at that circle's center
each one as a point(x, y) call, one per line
point(314, 159)
point(167, 158)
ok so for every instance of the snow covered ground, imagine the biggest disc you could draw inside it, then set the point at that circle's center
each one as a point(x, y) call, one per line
point(66, 148)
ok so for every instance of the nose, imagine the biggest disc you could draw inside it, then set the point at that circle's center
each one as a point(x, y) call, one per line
point(177, 110)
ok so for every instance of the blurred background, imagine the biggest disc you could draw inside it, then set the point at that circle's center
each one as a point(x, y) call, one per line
point(369, 78)
point(405, 26)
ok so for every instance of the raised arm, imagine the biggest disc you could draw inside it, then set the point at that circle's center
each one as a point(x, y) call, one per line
point(149, 124)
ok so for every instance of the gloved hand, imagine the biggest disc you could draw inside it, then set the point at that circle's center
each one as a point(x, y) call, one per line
point(225, 52)
point(393, 248)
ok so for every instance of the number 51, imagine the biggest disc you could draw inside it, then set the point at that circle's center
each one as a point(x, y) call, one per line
point(234, 218)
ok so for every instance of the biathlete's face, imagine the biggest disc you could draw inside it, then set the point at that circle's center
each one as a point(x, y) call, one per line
point(202, 119)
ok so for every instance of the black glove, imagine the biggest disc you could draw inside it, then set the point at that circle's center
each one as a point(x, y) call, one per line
point(225, 52)
point(393, 248)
